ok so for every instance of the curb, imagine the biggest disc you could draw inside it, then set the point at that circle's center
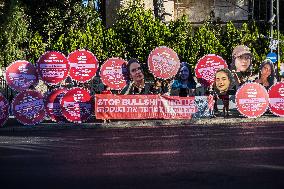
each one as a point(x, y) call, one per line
point(12, 124)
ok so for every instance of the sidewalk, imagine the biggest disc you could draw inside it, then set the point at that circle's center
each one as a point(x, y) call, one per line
point(13, 125)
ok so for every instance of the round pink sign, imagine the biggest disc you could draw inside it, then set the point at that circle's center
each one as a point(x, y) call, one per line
point(83, 65)
point(276, 99)
point(20, 75)
point(52, 104)
point(252, 100)
point(28, 107)
point(112, 73)
point(4, 110)
point(163, 62)
point(76, 105)
point(206, 68)
point(53, 67)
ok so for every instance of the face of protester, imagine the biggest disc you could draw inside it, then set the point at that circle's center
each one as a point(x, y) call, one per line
point(222, 82)
point(243, 62)
point(136, 73)
point(266, 70)
point(184, 73)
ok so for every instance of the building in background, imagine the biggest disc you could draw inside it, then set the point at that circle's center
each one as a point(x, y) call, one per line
point(197, 11)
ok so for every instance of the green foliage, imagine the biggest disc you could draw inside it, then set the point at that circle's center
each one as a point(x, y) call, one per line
point(36, 47)
point(113, 46)
point(14, 34)
point(207, 41)
point(28, 30)
point(182, 41)
point(140, 31)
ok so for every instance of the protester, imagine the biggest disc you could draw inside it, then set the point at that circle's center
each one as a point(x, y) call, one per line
point(241, 64)
point(266, 74)
point(157, 88)
point(223, 82)
point(137, 84)
point(184, 85)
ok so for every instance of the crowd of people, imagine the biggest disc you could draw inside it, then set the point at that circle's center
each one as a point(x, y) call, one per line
point(226, 82)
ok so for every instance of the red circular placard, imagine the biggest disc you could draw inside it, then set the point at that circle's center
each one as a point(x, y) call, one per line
point(112, 73)
point(20, 75)
point(52, 104)
point(206, 68)
point(83, 65)
point(53, 67)
point(252, 100)
point(76, 105)
point(163, 62)
point(276, 99)
point(28, 107)
point(4, 110)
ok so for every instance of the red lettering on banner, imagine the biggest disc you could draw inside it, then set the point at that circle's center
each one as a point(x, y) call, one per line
point(144, 107)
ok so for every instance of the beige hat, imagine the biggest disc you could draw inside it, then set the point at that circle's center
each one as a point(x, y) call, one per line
point(240, 50)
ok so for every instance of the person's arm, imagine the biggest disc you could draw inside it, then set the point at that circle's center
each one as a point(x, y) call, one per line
point(126, 89)
point(174, 89)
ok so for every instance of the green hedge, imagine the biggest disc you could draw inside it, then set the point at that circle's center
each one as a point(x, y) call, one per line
point(134, 35)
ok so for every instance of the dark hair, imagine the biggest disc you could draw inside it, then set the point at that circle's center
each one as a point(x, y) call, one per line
point(190, 75)
point(230, 76)
point(249, 70)
point(131, 61)
point(271, 77)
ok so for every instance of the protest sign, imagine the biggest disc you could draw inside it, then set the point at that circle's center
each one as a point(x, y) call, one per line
point(112, 74)
point(149, 107)
point(76, 105)
point(252, 100)
point(206, 68)
point(21, 75)
point(52, 105)
point(83, 65)
point(28, 107)
point(163, 62)
point(53, 67)
point(276, 99)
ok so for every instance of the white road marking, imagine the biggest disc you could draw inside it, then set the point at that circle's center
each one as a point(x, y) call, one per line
point(140, 153)
point(275, 167)
point(254, 148)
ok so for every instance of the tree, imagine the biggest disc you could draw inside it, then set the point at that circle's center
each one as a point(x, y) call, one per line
point(139, 31)
point(14, 34)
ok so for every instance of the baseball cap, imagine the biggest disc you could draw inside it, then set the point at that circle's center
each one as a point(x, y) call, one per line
point(240, 50)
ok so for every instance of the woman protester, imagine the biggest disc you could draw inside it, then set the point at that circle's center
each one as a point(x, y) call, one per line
point(241, 66)
point(266, 74)
point(223, 82)
point(137, 84)
point(184, 85)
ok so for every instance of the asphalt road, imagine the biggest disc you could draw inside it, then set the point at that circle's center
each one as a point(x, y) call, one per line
point(242, 156)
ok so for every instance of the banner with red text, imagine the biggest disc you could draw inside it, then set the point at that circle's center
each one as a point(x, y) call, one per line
point(150, 107)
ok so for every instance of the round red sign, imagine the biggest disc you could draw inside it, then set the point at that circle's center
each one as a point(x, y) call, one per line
point(206, 68)
point(163, 62)
point(83, 65)
point(20, 75)
point(252, 100)
point(276, 99)
point(28, 107)
point(4, 110)
point(52, 105)
point(112, 73)
point(76, 105)
point(53, 67)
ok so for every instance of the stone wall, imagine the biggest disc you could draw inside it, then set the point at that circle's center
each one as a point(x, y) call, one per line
point(196, 10)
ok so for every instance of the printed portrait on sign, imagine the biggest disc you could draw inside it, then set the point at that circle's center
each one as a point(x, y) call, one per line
point(224, 81)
